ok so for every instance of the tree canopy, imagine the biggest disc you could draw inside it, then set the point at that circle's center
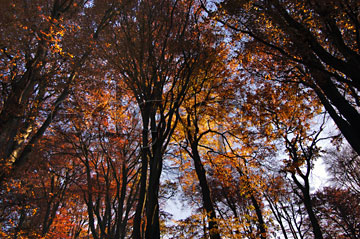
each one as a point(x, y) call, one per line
point(111, 109)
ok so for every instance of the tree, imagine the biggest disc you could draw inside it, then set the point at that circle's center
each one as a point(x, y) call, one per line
point(310, 42)
point(206, 94)
point(300, 155)
point(338, 210)
point(103, 139)
point(284, 114)
point(237, 186)
point(87, 165)
point(96, 96)
point(343, 166)
point(229, 182)
point(287, 210)
point(39, 66)
point(42, 202)
point(156, 55)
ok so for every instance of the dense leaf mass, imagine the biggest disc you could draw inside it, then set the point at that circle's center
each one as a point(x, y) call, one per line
point(179, 119)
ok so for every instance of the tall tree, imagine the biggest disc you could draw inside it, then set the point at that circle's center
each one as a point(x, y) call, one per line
point(41, 201)
point(314, 43)
point(287, 210)
point(102, 136)
point(283, 114)
point(39, 65)
point(156, 48)
point(206, 94)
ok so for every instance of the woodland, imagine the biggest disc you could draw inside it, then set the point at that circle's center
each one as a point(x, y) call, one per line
point(111, 111)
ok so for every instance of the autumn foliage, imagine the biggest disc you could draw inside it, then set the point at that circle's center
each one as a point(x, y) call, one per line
point(110, 111)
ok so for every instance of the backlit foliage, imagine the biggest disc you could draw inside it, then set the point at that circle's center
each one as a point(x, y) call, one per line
point(109, 110)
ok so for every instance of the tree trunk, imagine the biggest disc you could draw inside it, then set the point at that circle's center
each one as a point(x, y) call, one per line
point(346, 129)
point(205, 192)
point(152, 203)
point(136, 234)
point(308, 205)
point(259, 216)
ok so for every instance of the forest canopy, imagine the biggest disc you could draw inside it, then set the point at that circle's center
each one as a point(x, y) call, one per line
point(112, 110)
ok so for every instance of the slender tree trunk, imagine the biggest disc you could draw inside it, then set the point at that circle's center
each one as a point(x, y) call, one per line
point(205, 192)
point(136, 234)
point(263, 233)
point(277, 215)
point(309, 207)
point(314, 222)
point(152, 204)
point(89, 201)
point(121, 198)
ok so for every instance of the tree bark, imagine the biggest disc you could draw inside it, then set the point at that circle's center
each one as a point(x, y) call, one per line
point(143, 180)
point(205, 192)
point(305, 190)
point(259, 216)
point(152, 204)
